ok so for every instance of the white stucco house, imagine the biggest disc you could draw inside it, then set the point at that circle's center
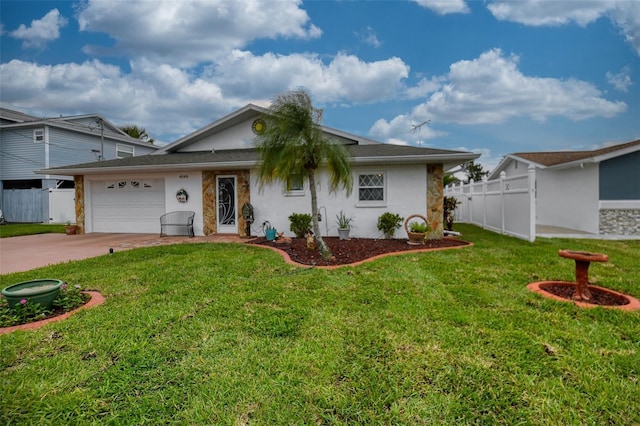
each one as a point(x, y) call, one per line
point(594, 192)
point(29, 143)
point(212, 172)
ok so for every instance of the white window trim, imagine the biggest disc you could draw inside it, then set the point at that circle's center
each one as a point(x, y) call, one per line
point(125, 148)
point(376, 203)
point(293, 192)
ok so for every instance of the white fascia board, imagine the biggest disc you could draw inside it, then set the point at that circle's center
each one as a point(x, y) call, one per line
point(413, 159)
point(571, 164)
point(495, 173)
point(150, 169)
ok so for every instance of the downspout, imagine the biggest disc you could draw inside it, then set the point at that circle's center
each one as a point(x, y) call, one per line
point(46, 150)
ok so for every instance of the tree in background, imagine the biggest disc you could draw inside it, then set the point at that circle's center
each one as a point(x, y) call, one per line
point(138, 133)
point(292, 144)
point(474, 171)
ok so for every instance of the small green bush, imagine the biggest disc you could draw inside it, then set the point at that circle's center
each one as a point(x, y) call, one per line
point(388, 223)
point(418, 227)
point(300, 224)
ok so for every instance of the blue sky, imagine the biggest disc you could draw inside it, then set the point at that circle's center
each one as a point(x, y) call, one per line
point(492, 77)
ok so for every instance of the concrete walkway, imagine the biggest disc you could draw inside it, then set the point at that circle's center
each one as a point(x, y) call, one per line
point(34, 251)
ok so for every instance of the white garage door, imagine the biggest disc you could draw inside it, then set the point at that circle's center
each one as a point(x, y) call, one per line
point(127, 205)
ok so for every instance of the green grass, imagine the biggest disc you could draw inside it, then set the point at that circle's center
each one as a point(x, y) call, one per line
point(230, 334)
point(19, 229)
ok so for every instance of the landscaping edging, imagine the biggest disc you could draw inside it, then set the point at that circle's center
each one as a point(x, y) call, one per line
point(96, 300)
point(633, 305)
point(290, 261)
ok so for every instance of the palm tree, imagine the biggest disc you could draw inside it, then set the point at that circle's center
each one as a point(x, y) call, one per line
point(137, 133)
point(293, 144)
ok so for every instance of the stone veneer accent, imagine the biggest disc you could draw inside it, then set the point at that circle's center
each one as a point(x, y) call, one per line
point(79, 195)
point(209, 192)
point(435, 201)
point(620, 221)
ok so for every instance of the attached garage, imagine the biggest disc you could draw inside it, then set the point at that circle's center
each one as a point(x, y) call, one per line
point(127, 205)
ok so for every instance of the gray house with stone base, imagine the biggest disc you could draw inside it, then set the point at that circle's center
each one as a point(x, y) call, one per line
point(593, 192)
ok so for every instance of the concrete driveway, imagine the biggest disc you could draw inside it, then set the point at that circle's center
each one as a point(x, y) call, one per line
point(34, 251)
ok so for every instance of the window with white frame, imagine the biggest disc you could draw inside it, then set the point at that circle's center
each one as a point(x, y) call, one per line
point(124, 151)
point(371, 188)
point(294, 185)
point(38, 135)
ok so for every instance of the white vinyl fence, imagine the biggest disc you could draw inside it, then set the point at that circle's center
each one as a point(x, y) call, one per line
point(505, 205)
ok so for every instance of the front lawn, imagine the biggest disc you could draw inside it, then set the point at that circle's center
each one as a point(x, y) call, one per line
point(20, 229)
point(230, 334)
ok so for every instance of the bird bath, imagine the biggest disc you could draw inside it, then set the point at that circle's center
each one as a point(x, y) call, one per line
point(583, 259)
point(580, 292)
point(43, 292)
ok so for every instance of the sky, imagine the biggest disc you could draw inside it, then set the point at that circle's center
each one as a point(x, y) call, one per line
point(493, 77)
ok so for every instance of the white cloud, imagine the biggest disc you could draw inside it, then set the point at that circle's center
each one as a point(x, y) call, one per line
point(491, 89)
point(165, 100)
point(170, 101)
point(404, 130)
point(549, 13)
point(344, 78)
point(423, 88)
point(41, 31)
point(369, 37)
point(625, 14)
point(187, 33)
point(622, 80)
point(443, 7)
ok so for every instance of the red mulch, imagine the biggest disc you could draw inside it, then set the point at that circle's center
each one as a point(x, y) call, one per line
point(598, 297)
point(351, 250)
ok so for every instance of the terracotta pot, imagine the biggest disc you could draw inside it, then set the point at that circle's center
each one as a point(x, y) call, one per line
point(71, 229)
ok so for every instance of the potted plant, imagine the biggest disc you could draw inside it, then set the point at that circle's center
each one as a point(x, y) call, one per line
point(450, 205)
point(269, 231)
point(388, 223)
point(344, 225)
point(300, 224)
point(416, 230)
point(70, 228)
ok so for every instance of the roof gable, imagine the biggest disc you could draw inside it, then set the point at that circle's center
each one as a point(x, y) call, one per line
point(236, 127)
point(86, 124)
point(566, 159)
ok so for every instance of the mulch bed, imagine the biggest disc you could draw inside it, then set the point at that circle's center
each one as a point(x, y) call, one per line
point(598, 297)
point(352, 250)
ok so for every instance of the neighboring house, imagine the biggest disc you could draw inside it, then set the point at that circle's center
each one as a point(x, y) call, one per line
point(29, 143)
point(597, 191)
point(212, 172)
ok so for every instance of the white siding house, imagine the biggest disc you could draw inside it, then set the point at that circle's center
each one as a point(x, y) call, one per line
point(216, 167)
point(594, 192)
point(29, 143)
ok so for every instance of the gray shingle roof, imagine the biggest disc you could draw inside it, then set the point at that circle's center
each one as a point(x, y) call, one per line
point(561, 157)
point(247, 157)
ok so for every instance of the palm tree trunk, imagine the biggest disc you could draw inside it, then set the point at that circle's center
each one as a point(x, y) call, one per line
point(324, 250)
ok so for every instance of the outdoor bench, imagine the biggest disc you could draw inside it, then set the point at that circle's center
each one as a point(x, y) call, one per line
point(177, 223)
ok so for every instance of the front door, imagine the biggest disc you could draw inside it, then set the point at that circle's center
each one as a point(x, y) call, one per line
point(227, 205)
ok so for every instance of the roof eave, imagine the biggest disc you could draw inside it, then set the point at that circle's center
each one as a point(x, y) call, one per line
point(147, 169)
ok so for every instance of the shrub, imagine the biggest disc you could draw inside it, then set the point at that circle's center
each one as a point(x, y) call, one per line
point(419, 227)
point(343, 221)
point(300, 224)
point(388, 223)
point(450, 205)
